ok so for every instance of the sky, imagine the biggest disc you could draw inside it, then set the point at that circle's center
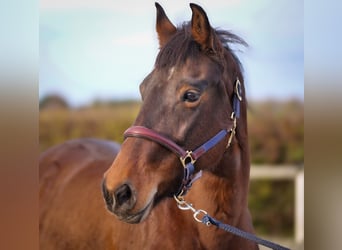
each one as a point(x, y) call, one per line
point(102, 50)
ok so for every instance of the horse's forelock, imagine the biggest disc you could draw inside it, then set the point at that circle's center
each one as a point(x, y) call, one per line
point(182, 46)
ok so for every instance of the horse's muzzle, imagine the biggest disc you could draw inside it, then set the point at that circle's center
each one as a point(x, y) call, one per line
point(119, 201)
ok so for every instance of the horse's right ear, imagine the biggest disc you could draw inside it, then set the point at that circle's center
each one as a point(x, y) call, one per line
point(165, 28)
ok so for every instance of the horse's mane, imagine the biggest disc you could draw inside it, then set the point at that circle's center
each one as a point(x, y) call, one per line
point(182, 46)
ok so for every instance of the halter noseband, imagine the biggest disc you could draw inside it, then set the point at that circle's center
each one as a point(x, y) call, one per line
point(189, 157)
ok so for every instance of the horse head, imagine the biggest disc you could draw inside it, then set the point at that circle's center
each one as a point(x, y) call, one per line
point(187, 98)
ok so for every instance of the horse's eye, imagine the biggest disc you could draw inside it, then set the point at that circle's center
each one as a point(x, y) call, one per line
point(191, 96)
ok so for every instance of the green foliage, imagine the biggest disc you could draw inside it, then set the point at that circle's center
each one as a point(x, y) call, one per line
point(101, 121)
point(276, 136)
point(272, 207)
point(53, 102)
point(276, 132)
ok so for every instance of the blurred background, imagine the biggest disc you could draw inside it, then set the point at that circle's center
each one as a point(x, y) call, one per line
point(87, 87)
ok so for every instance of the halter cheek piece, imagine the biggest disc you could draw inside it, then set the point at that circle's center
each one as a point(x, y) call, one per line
point(188, 157)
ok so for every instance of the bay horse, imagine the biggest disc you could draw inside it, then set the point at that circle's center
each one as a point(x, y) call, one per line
point(189, 141)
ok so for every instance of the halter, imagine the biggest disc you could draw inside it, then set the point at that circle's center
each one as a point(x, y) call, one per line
point(189, 157)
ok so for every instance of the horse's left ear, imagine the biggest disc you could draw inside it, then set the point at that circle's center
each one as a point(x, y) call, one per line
point(200, 27)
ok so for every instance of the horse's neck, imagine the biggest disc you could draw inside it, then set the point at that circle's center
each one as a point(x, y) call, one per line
point(223, 194)
point(223, 197)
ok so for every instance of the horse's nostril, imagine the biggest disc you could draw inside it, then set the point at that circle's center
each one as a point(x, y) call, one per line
point(123, 195)
point(107, 196)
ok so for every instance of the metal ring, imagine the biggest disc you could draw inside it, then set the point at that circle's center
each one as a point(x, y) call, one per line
point(185, 206)
point(197, 213)
point(238, 89)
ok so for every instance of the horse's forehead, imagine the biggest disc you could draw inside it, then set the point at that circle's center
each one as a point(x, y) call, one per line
point(201, 67)
point(198, 68)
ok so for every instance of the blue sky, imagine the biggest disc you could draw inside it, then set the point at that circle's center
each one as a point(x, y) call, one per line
point(103, 49)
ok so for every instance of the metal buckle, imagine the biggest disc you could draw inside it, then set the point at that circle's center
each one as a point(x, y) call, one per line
point(188, 157)
point(232, 130)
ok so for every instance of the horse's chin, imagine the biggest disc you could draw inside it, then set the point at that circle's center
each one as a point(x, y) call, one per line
point(137, 217)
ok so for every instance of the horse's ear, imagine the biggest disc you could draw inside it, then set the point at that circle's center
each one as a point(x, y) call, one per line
point(165, 28)
point(200, 27)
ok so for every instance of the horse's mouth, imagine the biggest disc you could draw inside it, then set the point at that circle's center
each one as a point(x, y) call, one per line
point(137, 217)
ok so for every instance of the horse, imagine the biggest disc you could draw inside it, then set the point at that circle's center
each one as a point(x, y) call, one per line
point(188, 147)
